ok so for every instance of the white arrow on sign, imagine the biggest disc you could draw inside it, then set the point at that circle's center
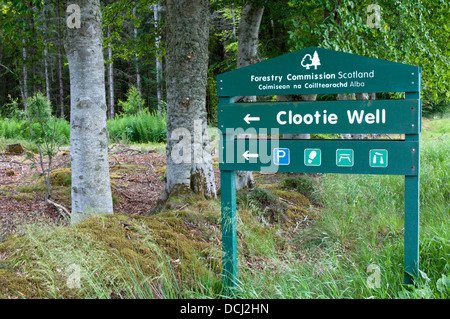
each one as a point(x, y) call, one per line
point(248, 118)
point(247, 155)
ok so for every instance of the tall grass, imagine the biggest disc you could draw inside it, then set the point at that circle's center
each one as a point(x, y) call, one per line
point(140, 128)
point(362, 224)
point(17, 129)
point(14, 128)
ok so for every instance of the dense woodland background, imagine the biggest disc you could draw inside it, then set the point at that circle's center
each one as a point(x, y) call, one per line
point(33, 58)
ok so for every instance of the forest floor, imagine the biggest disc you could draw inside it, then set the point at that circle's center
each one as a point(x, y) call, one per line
point(137, 179)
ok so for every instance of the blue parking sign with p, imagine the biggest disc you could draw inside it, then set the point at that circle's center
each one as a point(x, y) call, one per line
point(281, 156)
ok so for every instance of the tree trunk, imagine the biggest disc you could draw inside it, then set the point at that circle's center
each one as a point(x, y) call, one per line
point(248, 34)
point(44, 29)
point(158, 60)
point(110, 79)
point(25, 75)
point(138, 74)
point(189, 164)
point(353, 96)
point(248, 54)
point(91, 189)
point(60, 64)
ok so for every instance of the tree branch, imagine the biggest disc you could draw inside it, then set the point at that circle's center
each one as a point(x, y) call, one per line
point(61, 209)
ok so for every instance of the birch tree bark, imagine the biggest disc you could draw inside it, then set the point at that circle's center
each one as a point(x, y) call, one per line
point(25, 75)
point(136, 60)
point(248, 54)
point(110, 79)
point(91, 189)
point(60, 63)
point(44, 29)
point(158, 59)
point(189, 164)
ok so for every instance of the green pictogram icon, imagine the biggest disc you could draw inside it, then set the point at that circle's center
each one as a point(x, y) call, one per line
point(378, 158)
point(313, 157)
point(344, 158)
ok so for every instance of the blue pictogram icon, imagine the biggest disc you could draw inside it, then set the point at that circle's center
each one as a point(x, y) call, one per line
point(281, 156)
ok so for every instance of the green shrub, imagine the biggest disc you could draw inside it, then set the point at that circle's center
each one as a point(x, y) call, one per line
point(134, 103)
point(14, 128)
point(142, 127)
point(12, 110)
point(39, 108)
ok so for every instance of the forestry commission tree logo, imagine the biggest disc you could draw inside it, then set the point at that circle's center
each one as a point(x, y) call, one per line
point(308, 61)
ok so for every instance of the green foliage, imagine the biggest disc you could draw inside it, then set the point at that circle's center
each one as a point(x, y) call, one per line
point(439, 107)
point(361, 224)
point(120, 18)
point(411, 32)
point(141, 127)
point(43, 125)
point(29, 146)
point(46, 130)
point(12, 110)
point(39, 108)
point(177, 254)
point(134, 103)
point(14, 128)
point(211, 98)
point(435, 170)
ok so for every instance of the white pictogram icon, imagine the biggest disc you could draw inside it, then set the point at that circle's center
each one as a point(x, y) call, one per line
point(378, 158)
point(308, 61)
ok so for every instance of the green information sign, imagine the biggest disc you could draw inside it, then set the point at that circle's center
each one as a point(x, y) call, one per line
point(385, 157)
point(319, 71)
point(368, 116)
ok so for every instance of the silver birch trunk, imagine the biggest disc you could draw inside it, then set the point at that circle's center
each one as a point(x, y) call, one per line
point(248, 54)
point(138, 74)
point(158, 60)
point(47, 80)
point(60, 64)
point(110, 79)
point(189, 163)
point(25, 75)
point(91, 189)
